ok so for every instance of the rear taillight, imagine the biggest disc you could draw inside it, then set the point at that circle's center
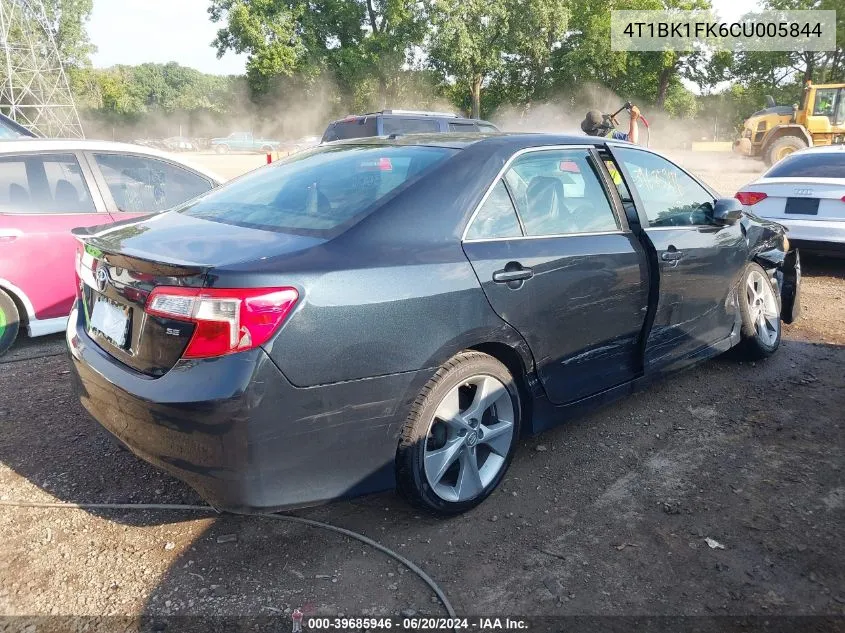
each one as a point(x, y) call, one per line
point(749, 198)
point(843, 198)
point(227, 319)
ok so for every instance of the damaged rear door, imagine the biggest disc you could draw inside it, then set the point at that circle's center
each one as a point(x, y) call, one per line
point(558, 263)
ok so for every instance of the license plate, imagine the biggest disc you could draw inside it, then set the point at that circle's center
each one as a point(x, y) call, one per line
point(802, 206)
point(110, 320)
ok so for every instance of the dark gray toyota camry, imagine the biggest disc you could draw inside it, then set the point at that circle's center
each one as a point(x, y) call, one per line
point(396, 312)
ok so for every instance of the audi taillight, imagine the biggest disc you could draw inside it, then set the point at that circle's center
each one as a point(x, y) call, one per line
point(749, 198)
point(226, 320)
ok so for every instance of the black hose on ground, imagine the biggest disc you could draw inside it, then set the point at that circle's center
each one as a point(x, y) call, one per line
point(279, 517)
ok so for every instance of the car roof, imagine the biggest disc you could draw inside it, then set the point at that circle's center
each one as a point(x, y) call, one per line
point(410, 114)
point(460, 141)
point(820, 149)
point(14, 146)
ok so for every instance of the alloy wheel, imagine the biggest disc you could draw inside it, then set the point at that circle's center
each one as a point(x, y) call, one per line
point(763, 307)
point(469, 438)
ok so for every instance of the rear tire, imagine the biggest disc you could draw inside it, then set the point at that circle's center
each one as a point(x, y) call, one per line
point(460, 435)
point(759, 306)
point(221, 149)
point(783, 147)
point(9, 322)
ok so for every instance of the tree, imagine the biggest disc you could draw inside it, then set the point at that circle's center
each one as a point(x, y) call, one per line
point(350, 42)
point(820, 66)
point(269, 32)
point(473, 40)
point(66, 20)
point(469, 41)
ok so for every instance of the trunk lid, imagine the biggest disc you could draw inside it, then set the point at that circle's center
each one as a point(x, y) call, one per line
point(120, 266)
point(781, 192)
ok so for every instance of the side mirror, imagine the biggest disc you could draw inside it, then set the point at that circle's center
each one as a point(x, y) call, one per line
point(727, 211)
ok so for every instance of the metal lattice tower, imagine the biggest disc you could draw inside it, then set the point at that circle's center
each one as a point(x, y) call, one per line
point(34, 90)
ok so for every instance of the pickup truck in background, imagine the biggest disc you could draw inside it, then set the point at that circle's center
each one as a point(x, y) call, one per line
point(243, 142)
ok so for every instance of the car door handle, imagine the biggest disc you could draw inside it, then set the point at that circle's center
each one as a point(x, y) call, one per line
point(519, 274)
point(671, 256)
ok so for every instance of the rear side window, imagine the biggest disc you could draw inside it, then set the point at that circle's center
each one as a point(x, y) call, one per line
point(810, 165)
point(139, 184)
point(351, 128)
point(558, 192)
point(318, 192)
point(392, 125)
point(467, 128)
point(43, 183)
point(496, 217)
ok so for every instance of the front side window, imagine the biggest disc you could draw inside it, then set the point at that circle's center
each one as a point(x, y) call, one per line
point(140, 184)
point(43, 183)
point(496, 217)
point(317, 192)
point(558, 192)
point(671, 197)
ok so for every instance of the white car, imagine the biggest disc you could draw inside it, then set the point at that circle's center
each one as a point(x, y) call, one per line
point(806, 193)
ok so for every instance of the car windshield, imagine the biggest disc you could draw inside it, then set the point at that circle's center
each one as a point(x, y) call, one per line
point(810, 165)
point(318, 192)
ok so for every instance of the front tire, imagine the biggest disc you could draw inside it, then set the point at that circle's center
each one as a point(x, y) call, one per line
point(9, 322)
point(460, 435)
point(759, 307)
point(221, 149)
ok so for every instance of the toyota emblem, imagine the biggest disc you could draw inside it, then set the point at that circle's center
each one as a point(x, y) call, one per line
point(102, 278)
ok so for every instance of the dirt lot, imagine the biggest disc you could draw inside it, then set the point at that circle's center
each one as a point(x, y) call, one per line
point(607, 515)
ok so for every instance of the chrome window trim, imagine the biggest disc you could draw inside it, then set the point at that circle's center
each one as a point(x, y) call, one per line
point(682, 226)
point(505, 167)
point(544, 237)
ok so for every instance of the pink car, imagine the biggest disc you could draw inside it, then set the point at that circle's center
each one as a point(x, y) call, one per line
point(50, 186)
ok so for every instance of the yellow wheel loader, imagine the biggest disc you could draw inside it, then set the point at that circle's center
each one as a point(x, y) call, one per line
point(777, 131)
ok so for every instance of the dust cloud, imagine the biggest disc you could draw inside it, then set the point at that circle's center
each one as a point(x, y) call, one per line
point(563, 115)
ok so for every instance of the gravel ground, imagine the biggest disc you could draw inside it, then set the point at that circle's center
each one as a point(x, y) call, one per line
point(607, 515)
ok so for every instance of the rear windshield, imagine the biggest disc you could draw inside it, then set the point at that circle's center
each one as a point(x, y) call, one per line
point(320, 192)
point(396, 125)
point(353, 128)
point(819, 165)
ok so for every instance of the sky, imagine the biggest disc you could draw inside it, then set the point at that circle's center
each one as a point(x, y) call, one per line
point(137, 31)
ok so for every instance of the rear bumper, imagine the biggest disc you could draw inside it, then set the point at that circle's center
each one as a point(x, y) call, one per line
point(240, 434)
point(817, 231)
